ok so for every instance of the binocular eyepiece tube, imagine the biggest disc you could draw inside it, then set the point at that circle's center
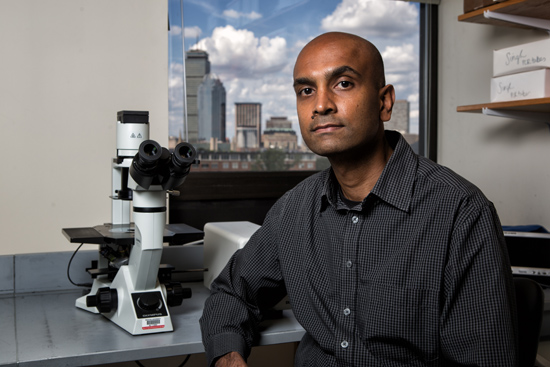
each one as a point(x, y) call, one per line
point(155, 165)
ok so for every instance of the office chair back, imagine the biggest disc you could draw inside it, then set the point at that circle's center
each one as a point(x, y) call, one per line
point(530, 304)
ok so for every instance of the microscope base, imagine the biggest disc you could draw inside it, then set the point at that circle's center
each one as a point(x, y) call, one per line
point(137, 312)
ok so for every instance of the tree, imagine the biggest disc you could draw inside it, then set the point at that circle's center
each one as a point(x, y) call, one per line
point(270, 160)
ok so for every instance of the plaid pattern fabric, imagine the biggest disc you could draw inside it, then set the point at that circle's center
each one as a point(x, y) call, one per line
point(415, 275)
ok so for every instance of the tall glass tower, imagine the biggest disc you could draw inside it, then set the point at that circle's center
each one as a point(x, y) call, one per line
point(211, 108)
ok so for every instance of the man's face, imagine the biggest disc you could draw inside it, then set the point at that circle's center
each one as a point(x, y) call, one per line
point(338, 101)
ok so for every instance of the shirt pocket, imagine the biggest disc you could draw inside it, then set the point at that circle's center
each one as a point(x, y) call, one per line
point(399, 325)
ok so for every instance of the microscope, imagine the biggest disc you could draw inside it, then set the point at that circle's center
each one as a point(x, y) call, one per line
point(126, 287)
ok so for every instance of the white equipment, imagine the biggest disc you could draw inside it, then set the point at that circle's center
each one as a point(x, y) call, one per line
point(142, 174)
point(221, 241)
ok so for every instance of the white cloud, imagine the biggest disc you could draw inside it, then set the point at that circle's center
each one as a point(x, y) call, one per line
point(238, 53)
point(175, 30)
point(191, 32)
point(373, 18)
point(400, 58)
point(233, 14)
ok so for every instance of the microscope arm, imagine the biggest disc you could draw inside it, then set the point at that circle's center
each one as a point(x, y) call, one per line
point(150, 219)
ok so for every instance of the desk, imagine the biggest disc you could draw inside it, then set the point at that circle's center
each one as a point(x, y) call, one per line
point(8, 348)
point(50, 331)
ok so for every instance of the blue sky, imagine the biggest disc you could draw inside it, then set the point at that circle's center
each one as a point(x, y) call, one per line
point(252, 46)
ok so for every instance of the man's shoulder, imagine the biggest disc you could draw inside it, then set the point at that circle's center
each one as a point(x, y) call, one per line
point(311, 187)
point(445, 179)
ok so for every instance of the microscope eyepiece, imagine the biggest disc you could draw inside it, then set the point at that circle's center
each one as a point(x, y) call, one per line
point(182, 158)
point(145, 165)
point(184, 155)
point(149, 153)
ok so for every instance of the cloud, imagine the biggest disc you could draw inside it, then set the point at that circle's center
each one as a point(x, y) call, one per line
point(175, 99)
point(233, 14)
point(369, 18)
point(175, 30)
point(188, 32)
point(400, 58)
point(238, 53)
point(402, 70)
point(192, 32)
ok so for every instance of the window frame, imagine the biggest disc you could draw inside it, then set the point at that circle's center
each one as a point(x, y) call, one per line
point(266, 185)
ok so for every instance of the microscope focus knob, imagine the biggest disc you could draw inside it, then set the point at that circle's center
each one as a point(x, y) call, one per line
point(149, 301)
point(175, 294)
point(105, 300)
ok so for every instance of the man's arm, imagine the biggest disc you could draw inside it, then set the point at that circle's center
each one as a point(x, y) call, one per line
point(250, 283)
point(478, 325)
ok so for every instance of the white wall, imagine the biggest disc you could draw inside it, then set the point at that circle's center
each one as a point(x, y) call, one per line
point(66, 68)
point(507, 159)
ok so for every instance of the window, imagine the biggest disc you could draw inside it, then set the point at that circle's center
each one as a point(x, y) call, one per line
point(238, 70)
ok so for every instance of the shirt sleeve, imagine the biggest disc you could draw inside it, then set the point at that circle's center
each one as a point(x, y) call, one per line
point(478, 322)
point(250, 283)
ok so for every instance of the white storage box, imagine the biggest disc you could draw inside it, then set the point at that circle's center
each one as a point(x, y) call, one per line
point(525, 57)
point(528, 85)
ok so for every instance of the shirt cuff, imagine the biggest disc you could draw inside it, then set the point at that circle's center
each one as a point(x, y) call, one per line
point(221, 344)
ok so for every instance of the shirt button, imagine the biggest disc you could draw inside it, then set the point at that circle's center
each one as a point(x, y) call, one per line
point(344, 344)
point(347, 311)
point(349, 264)
point(355, 219)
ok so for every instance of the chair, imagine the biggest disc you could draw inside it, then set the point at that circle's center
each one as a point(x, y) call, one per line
point(530, 304)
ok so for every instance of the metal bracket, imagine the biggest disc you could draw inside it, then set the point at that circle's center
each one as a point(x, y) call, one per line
point(518, 19)
point(518, 115)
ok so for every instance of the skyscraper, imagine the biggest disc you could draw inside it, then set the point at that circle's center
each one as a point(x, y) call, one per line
point(196, 67)
point(248, 117)
point(211, 109)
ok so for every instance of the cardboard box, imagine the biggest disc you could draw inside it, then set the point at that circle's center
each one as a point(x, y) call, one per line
point(471, 5)
point(527, 85)
point(525, 57)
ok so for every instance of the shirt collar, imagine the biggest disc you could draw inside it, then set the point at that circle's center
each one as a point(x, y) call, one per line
point(394, 186)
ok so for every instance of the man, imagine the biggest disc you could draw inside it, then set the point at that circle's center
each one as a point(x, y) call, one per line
point(388, 258)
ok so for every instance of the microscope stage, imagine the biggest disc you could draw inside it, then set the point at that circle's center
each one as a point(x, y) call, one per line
point(174, 234)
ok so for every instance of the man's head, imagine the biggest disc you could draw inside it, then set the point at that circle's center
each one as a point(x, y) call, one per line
point(342, 99)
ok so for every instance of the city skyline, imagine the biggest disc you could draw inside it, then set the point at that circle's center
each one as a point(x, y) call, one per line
point(252, 46)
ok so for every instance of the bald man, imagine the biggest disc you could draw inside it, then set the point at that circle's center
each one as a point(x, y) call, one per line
point(388, 258)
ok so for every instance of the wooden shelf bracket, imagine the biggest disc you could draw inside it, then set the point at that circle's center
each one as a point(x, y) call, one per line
point(518, 19)
point(518, 115)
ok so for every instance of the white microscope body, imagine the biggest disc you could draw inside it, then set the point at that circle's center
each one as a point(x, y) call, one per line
point(143, 172)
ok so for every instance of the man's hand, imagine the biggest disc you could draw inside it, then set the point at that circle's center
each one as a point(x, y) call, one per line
point(232, 359)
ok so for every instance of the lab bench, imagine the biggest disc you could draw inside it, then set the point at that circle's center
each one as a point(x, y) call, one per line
point(42, 327)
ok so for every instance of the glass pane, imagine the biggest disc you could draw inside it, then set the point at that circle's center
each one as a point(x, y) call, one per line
point(239, 56)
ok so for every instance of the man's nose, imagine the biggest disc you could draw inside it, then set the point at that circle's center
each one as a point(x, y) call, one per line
point(324, 102)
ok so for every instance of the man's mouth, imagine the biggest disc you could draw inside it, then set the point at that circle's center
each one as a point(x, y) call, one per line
point(326, 127)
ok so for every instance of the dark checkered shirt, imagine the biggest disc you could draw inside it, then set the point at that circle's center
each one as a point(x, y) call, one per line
point(415, 275)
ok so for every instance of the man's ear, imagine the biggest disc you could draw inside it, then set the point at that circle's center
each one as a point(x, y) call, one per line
point(387, 99)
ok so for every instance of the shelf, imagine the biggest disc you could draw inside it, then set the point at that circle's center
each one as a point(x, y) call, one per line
point(527, 109)
point(534, 105)
point(539, 9)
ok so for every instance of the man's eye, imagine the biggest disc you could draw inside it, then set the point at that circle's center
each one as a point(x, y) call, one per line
point(345, 84)
point(306, 91)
